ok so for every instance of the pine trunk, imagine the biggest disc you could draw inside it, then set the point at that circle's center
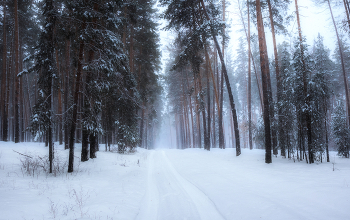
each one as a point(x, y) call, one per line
point(142, 125)
point(277, 70)
point(93, 145)
point(221, 123)
point(75, 104)
point(250, 139)
point(346, 4)
point(4, 79)
point(208, 100)
point(66, 95)
point(50, 47)
point(265, 72)
point(59, 121)
point(342, 64)
point(191, 111)
point(251, 54)
point(16, 103)
point(202, 110)
point(85, 145)
point(199, 133)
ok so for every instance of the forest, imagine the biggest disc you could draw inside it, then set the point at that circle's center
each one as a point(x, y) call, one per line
point(89, 72)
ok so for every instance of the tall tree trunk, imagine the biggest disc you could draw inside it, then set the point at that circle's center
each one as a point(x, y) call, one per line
point(17, 83)
point(142, 124)
point(131, 62)
point(66, 96)
point(4, 79)
point(223, 19)
point(59, 122)
point(258, 83)
point(221, 123)
point(85, 143)
point(49, 30)
point(250, 139)
point(89, 108)
point(212, 77)
point(277, 70)
point(307, 97)
point(202, 109)
point(228, 86)
point(185, 111)
point(75, 104)
point(215, 93)
point(21, 109)
point(346, 6)
point(198, 123)
point(342, 65)
point(326, 127)
point(191, 111)
point(9, 94)
point(265, 72)
point(93, 145)
point(208, 100)
point(124, 30)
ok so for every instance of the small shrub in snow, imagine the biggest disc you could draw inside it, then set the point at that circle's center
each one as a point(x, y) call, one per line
point(123, 150)
point(80, 198)
point(31, 165)
point(53, 209)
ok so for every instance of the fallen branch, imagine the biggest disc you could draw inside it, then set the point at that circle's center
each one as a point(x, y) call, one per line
point(23, 154)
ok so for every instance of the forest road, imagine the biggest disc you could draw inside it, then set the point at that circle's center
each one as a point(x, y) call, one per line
point(169, 196)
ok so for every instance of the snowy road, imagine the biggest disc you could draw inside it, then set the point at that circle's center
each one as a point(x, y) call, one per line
point(170, 196)
point(169, 184)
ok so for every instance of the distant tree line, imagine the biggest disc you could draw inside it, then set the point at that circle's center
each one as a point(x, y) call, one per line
point(295, 105)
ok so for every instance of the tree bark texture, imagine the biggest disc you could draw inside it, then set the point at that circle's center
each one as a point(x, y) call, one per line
point(277, 70)
point(17, 83)
point(4, 80)
point(265, 72)
point(250, 138)
point(75, 104)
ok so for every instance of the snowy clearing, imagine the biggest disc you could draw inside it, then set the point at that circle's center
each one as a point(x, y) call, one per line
point(174, 184)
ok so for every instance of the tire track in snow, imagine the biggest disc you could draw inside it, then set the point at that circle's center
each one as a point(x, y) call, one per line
point(206, 208)
point(169, 196)
point(150, 203)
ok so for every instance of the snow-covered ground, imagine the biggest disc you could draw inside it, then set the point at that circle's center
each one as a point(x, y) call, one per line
point(174, 184)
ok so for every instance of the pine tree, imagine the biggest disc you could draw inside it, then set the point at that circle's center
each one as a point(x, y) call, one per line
point(285, 106)
point(341, 131)
point(320, 92)
point(147, 59)
point(42, 118)
point(302, 67)
point(266, 83)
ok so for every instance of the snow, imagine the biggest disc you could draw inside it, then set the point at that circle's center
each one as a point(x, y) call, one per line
point(174, 184)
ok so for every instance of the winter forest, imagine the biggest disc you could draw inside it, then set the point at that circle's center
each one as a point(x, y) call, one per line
point(93, 89)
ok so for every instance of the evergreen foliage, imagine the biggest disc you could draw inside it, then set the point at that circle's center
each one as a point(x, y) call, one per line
point(320, 92)
point(285, 106)
point(341, 131)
